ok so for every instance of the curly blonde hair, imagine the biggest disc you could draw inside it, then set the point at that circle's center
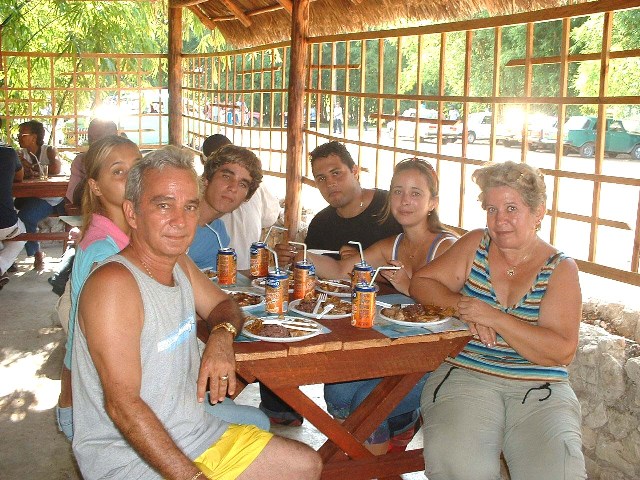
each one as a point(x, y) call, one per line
point(528, 181)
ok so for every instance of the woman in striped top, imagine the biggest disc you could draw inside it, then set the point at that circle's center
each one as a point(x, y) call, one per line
point(507, 391)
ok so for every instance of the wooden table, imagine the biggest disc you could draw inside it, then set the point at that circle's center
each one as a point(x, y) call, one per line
point(54, 186)
point(345, 354)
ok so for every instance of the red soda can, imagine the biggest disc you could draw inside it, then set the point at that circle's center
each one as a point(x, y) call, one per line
point(277, 291)
point(363, 305)
point(304, 279)
point(259, 259)
point(362, 272)
point(227, 266)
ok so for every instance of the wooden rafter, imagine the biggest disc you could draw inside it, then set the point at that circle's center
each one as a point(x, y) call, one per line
point(206, 21)
point(287, 5)
point(239, 14)
point(185, 3)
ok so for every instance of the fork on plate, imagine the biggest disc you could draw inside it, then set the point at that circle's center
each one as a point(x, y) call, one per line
point(321, 298)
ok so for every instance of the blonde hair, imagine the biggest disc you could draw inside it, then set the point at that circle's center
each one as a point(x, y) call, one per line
point(93, 163)
point(528, 181)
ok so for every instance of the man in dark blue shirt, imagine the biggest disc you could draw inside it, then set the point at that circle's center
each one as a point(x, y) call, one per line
point(10, 225)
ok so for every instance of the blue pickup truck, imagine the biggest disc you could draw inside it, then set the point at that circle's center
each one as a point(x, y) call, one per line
point(580, 137)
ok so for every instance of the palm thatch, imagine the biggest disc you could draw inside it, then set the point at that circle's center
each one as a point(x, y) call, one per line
point(258, 22)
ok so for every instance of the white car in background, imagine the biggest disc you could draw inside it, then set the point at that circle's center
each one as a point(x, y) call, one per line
point(406, 126)
point(478, 127)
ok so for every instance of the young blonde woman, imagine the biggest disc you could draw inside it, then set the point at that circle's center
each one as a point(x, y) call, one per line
point(413, 202)
point(105, 232)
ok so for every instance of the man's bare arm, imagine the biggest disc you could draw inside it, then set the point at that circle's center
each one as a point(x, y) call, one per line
point(218, 366)
point(111, 317)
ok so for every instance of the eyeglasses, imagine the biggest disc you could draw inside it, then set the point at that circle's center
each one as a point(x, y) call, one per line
point(18, 136)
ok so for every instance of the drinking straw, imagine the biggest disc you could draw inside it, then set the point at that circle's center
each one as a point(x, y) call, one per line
point(304, 250)
point(275, 257)
point(266, 237)
point(359, 248)
point(373, 279)
point(217, 235)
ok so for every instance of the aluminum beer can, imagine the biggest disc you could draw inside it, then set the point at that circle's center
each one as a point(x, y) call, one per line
point(362, 272)
point(363, 305)
point(227, 266)
point(304, 279)
point(277, 291)
point(259, 259)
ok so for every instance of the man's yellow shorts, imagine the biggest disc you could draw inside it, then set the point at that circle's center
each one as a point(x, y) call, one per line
point(233, 453)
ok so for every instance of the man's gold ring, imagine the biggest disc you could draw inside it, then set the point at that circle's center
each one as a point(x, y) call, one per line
point(224, 378)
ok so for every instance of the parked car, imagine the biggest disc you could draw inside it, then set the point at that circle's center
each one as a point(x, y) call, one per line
point(540, 128)
point(406, 126)
point(478, 127)
point(621, 136)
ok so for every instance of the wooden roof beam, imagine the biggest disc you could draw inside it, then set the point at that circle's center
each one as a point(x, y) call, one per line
point(287, 5)
point(184, 3)
point(239, 14)
point(206, 21)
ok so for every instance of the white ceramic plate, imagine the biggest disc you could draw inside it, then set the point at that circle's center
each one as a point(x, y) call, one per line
point(293, 307)
point(209, 272)
point(305, 335)
point(321, 287)
point(413, 324)
point(260, 283)
point(342, 294)
point(249, 307)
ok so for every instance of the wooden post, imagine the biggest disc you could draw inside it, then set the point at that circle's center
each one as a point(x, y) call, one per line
point(175, 76)
point(299, 34)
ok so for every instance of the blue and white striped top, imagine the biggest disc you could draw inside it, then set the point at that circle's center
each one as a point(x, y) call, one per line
point(502, 360)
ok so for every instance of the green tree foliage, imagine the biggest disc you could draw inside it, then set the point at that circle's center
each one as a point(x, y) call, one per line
point(623, 73)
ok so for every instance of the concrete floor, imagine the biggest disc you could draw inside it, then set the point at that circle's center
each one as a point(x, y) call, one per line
point(31, 354)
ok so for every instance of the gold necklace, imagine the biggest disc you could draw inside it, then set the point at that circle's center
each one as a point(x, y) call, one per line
point(513, 269)
point(146, 267)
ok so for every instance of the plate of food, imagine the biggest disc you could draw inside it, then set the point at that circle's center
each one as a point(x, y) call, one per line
point(247, 301)
point(260, 283)
point(280, 329)
point(337, 288)
point(209, 272)
point(340, 309)
point(416, 315)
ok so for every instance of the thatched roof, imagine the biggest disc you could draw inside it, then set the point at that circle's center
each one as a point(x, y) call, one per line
point(257, 22)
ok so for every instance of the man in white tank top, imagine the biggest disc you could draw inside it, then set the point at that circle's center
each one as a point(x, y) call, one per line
point(138, 381)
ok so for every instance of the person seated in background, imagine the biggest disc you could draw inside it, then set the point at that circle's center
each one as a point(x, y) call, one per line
point(231, 176)
point(138, 379)
point(507, 392)
point(353, 214)
point(11, 171)
point(413, 202)
point(33, 154)
point(98, 129)
point(245, 224)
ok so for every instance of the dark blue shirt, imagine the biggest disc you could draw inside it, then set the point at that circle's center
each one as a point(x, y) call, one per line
point(9, 165)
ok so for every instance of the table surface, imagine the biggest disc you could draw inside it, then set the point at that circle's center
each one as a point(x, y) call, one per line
point(345, 354)
point(54, 186)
